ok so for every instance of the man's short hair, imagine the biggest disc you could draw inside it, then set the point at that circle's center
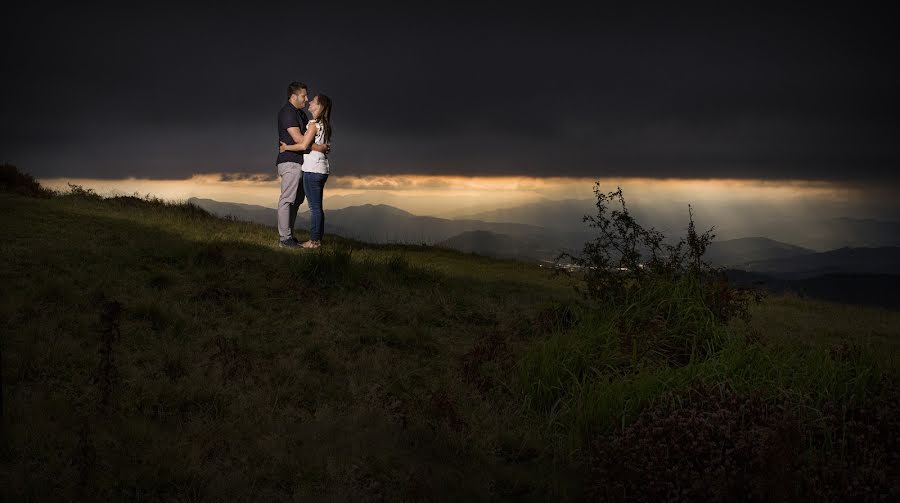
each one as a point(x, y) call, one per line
point(295, 87)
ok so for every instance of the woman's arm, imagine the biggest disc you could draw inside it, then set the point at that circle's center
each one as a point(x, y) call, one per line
point(307, 140)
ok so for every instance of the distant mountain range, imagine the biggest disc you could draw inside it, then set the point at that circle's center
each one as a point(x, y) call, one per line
point(855, 232)
point(881, 260)
point(486, 235)
point(741, 251)
point(863, 289)
point(245, 212)
point(379, 223)
point(563, 215)
point(496, 245)
point(815, 234)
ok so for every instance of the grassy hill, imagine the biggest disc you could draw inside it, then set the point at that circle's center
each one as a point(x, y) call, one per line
point(153, 352)
point(379, 223)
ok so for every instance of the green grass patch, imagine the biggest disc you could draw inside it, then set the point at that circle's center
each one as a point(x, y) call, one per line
point(234, 370)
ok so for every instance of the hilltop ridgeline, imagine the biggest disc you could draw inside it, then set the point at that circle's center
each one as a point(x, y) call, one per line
point(156, 352)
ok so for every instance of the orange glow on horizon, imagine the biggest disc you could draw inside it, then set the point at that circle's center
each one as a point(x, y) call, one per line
point(441, 195)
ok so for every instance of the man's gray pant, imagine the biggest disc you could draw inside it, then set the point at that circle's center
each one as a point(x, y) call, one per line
point(291, 197)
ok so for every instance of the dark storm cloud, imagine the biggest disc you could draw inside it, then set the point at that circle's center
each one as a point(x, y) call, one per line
point(247, 177)
point(670, 91)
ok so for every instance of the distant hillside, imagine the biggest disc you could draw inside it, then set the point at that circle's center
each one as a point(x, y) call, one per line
point(245, 212)
point(883, 260)
point(380, 223)
point(563, 215)
point(491, 244)
point(860, 289)
point(854, 232)
point(819, 234)
point(738, 252)
point(568, 215)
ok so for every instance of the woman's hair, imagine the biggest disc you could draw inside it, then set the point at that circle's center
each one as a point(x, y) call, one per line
point(325, 116)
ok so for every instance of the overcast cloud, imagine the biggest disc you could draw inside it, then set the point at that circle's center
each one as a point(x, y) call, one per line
point(543, 90)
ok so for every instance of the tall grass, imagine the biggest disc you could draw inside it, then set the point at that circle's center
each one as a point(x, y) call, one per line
point(585, 383)
point(653, 341)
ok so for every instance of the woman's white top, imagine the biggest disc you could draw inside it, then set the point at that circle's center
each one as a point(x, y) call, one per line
point(316, 162)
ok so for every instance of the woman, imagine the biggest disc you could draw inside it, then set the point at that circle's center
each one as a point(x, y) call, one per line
point(315, 165)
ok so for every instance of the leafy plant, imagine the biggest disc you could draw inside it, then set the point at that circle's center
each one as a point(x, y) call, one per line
point(667, 299)
point(11, 179)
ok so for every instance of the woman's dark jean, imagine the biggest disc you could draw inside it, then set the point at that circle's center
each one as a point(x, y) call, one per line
point(313, 185)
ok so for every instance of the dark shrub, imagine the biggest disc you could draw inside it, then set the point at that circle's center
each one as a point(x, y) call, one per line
point(191, 210)
point(79, 192)
point(710, 443)
point(12, 180)
point(706, 443)
point(129, 201)
point(669, 302)
point(151, 202)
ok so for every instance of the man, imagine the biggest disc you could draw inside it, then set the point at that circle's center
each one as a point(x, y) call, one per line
point(291, 128)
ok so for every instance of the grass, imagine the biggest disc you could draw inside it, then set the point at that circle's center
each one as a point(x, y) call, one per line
point(153, 352)
point(815, 324)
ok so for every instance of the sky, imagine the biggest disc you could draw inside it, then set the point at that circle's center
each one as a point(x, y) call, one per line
point(455, 108)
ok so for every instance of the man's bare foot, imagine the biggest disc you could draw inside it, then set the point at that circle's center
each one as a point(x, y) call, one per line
point(311, 244)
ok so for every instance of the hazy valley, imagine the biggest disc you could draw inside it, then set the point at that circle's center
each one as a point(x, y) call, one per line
point(863, 269)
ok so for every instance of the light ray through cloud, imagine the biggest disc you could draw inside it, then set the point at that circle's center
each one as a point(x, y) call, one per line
point(449, 196)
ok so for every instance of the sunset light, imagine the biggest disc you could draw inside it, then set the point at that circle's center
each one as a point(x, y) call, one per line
point(617, 252)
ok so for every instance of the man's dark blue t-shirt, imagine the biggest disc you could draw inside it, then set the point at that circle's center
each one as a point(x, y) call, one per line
point(289, 116)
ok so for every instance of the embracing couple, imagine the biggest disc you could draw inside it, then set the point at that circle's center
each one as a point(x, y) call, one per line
point(303, 163)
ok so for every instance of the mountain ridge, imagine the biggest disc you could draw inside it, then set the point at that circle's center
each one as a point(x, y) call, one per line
point(382, 223)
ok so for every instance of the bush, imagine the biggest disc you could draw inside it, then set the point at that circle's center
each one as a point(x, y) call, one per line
point(706, 443)
point(667, 301)
point(79, 192)
point(655, 314)
point(669, 322)
point(137, 201)
point(713, 443)
point(12, 180)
